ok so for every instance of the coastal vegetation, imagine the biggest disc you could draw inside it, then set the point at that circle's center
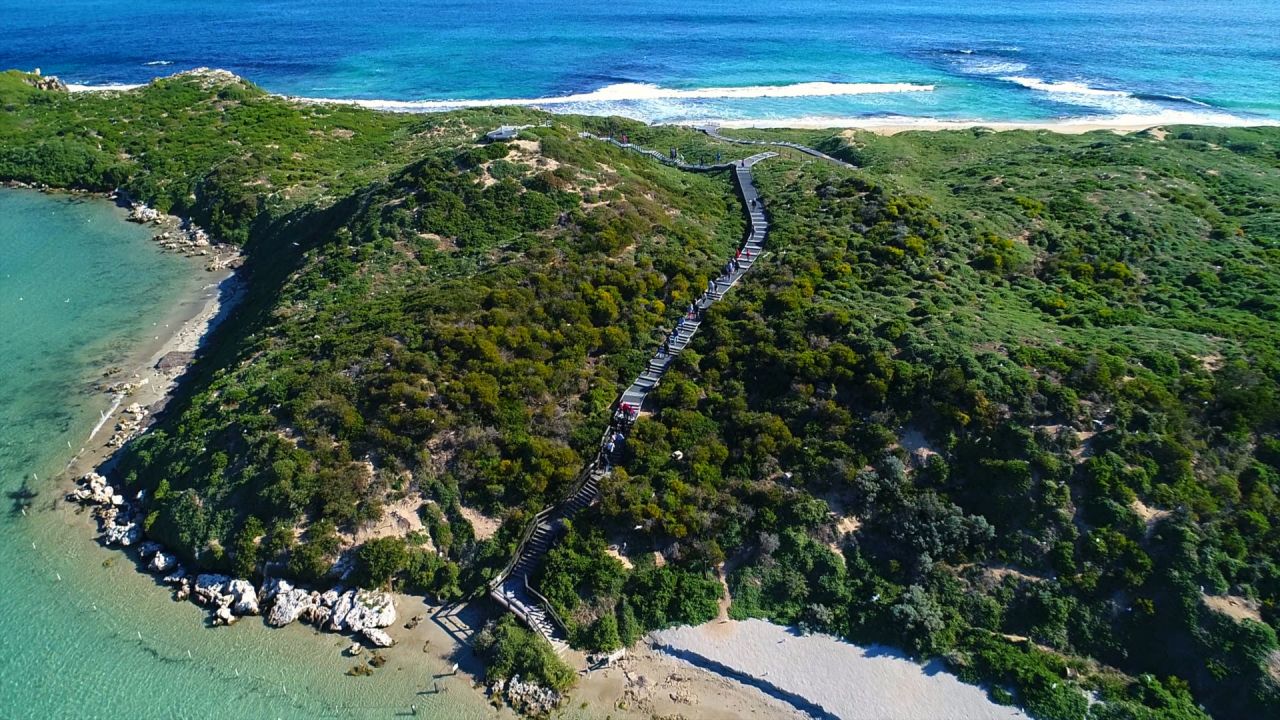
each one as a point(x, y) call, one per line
point(1007, 399)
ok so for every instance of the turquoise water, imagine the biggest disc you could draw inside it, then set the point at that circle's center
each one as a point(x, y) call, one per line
point(82, 633)
point(672, 60)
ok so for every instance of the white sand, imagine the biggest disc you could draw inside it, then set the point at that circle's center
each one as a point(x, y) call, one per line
point(840, 679)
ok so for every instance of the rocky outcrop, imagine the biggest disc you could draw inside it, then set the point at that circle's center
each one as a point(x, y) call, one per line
point(351, 610)
point(46, 82)
point(287, 603)
point(360, 609)
point(142, 213)
point(244, 599)
point(530, 699)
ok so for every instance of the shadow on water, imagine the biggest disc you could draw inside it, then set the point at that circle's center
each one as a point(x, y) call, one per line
point(23, 498)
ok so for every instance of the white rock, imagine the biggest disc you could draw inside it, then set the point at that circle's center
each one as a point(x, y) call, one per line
point(124, 534)
point(244, 597)
point(149, 548)
point(377, 638)
point(162, 562)
point(177, 577)
point(210, 588)
point(224, 616)
point(288, 605)
point(341, 608)
point(371, 609)
point(318, 616)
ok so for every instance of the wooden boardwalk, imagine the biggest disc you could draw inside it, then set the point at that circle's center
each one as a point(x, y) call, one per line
point(713, 131)
point(511, 587)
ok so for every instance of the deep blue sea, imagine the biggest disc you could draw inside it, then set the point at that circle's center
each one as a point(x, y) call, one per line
point(675, 60)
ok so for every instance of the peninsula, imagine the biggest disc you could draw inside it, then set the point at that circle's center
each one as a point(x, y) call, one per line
point(1001, 402)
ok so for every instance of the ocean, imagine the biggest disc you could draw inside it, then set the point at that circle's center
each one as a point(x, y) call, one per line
point(674, 61)
point(83, 634)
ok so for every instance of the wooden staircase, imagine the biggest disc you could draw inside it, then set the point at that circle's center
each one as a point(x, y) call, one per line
point(511, 588)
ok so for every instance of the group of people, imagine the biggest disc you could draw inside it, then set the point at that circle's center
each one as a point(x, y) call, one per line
point(617, 433)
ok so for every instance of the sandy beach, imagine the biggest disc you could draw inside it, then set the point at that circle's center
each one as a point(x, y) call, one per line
point(830, 678)
point(148, 385)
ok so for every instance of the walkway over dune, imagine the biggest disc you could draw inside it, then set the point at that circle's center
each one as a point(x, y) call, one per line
point(511, 588)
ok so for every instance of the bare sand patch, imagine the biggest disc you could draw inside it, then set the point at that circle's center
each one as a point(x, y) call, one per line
point(823, 676)
point(484, 526)
point(613, 552)
point(1234, 606)
point(1149, 515)
point(398, 519)
point(650, 684)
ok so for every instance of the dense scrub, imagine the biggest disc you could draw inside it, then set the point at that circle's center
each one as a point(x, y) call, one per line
point(1026, 386)
point(1008, 399)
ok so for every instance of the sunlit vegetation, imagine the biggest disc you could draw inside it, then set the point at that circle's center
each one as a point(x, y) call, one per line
point(1005, 399)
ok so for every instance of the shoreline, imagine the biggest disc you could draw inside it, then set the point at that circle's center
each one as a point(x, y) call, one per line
point(1064, 126)
point(143, 383)
point(644, 683)
point(882, 124)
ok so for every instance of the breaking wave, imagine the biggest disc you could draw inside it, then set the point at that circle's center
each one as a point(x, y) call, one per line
point(641, 92)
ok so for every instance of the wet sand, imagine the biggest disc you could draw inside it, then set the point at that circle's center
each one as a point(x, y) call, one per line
point(149, 386)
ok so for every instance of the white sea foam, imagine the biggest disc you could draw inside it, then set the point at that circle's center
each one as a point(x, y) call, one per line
point(106, 87)
point(1065, 87)
point(994, 67)
point(643, 92)
point(1119, 102)
point(159, 62)
point(1134, 121)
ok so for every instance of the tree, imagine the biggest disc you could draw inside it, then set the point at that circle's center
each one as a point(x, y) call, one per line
point(381, 558)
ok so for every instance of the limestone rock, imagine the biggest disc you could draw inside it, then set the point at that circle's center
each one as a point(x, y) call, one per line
point(224, 616)
point(162, 562)
point(244, 599)
point(377, 638)
point(288, 603)
point(210, 588)
point(369, 609)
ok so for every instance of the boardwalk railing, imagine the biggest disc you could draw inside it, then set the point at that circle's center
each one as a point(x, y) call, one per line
point(713, 131)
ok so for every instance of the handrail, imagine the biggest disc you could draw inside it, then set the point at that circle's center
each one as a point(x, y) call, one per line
point(546, 604)
point(529, 529)
point(541, 515)
point(714, 132)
